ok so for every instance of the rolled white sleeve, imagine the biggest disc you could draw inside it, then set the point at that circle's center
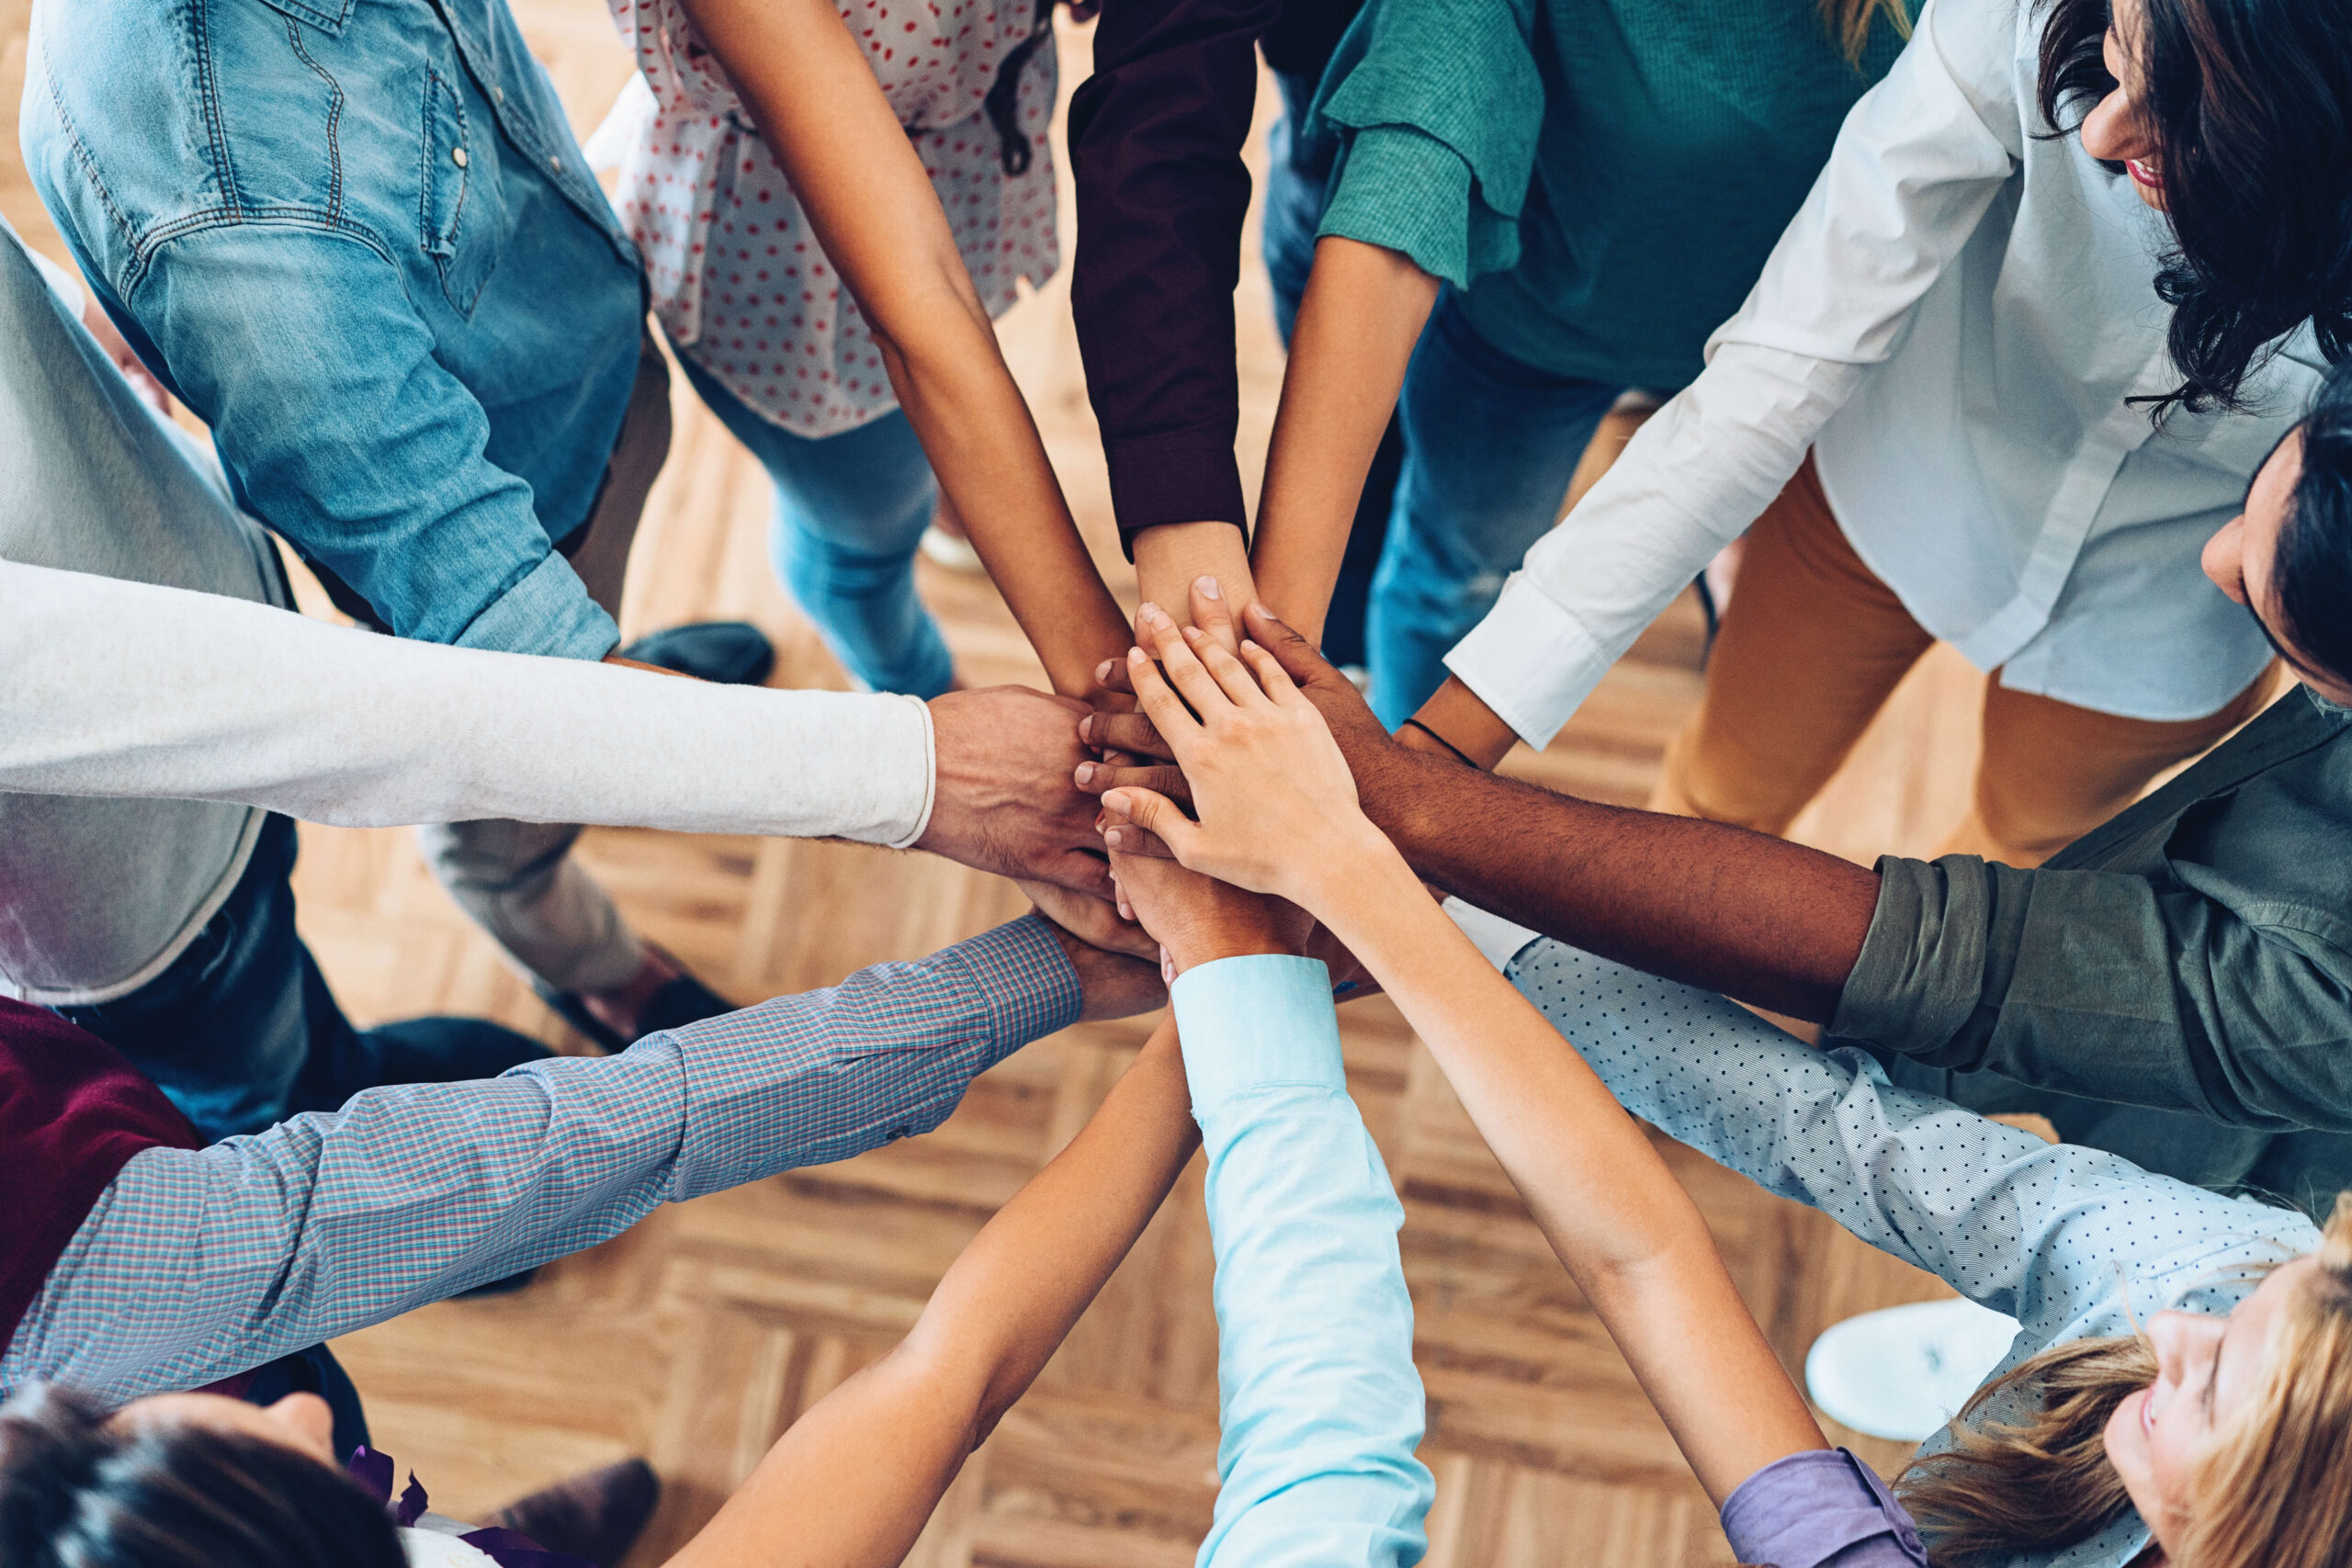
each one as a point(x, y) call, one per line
point(1918, 162)
point(193, 696)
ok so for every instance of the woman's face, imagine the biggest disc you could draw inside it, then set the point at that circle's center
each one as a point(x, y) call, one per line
point(300, 1421)
point(2117, 132)
point(2240, 559)
point(2206, 1369)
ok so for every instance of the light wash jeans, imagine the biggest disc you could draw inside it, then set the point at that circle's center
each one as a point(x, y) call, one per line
point(1491, 445)
point(850, 510)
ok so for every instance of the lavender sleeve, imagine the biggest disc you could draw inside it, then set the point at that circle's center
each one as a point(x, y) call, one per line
point(1821, 1508)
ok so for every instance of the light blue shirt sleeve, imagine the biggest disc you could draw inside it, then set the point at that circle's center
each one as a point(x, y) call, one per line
point(2071, 1241)
point(199, 1264)
point(1320, 1405)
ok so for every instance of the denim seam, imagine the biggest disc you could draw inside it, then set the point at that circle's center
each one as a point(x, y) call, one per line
point(247, 218)
point(88, 165)
point(334, 120)
point(209, 89)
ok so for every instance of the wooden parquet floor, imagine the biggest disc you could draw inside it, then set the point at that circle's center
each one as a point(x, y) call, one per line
point(697, 1337)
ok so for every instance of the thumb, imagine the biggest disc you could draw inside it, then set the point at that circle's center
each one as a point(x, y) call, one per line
point(1297, 657)
point(1155, 814)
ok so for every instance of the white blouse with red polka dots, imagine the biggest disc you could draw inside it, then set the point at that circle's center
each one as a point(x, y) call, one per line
point(738, 281)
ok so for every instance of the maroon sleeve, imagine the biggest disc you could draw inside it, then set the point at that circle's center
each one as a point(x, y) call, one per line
point(71, 1114)
point(1154, 138)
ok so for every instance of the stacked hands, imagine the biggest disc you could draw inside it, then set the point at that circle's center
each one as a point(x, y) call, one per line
point(1216, 810)
point(1275, 849)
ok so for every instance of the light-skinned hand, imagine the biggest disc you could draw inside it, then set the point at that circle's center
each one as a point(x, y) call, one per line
point(1275, 802)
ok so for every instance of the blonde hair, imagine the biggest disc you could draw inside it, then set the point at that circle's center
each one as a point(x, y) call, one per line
point(1849, 22)
point(2274, 1490)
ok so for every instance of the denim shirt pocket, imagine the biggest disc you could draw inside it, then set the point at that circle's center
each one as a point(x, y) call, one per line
point(459, 215)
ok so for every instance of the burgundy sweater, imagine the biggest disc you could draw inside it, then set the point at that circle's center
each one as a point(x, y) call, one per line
point(71, 1114)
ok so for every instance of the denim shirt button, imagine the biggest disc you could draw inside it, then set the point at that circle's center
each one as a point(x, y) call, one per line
point(499, 94)
point(556, 163)
point(457, 156)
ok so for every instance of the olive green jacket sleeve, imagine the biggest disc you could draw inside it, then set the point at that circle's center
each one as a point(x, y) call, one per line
point(2194, 955)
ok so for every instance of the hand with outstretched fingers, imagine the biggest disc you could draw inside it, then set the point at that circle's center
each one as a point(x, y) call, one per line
point(1276, 804)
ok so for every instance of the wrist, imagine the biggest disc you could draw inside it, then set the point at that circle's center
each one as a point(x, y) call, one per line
point(1341, 884)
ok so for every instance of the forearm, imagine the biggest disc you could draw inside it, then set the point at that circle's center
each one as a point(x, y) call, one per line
point(2036, 1230)
point(1155, 141)
point(1771, 922)
point(855, 1479)
point(328, 1224)
point(862, 183)
point(1362, 312)
point(983, 445)
point(1605, 1201)
point(124, 689)
point(1171, 556)
point(1321, 1408)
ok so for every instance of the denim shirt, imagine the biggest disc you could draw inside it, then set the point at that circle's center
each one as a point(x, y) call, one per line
point(360, 242)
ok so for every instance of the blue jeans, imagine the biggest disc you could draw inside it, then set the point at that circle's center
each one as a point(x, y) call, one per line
point(242, 1031)
point(850, 510)
point(1491, 445)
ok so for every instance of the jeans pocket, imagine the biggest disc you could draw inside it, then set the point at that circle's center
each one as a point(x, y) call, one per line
point(459, 215)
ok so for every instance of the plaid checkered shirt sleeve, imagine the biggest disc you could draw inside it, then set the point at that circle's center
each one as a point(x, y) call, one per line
point(198, 1264)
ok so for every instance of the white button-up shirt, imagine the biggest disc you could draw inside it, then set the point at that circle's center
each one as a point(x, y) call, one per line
point(1955, 323)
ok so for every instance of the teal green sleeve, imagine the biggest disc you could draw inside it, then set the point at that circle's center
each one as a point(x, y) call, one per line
point(1439, 105)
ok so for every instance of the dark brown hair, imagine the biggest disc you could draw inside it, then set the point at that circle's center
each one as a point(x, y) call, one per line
point(2249, 103)
point(77, 1491)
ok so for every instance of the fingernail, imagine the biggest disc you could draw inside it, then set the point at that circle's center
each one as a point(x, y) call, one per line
point(1086, 772)
point(1146, 611)
point(1191, 634)
point(1136, 656)
point(1102, 670)
point(1208, 585)
point(1247, 643)
point(1086, 725)
point(1111, 836)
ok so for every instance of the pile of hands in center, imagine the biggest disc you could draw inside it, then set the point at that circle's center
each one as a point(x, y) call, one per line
point(1229, 812)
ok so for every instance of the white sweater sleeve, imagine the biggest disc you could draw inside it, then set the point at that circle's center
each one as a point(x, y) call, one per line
point(124, 689)
point(1918, 162)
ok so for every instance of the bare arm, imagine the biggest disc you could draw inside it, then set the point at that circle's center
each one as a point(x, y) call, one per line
point(1363, 310)
point(1277, 813)
point(806, 83)
point(855, 1479)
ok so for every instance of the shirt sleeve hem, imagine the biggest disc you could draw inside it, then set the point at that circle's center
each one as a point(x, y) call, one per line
point(930, 800)
point(1405, 190)
point(1254, 1021)
point(1187, 477)
point(1023, 980)
point(1920, 971)
point(1529, 661)
point(548, 611)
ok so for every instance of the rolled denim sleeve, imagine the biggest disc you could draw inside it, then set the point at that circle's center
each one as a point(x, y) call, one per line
point(341, 432)
point(198, 1264)
point(1320, 1405)
point(2110, 986)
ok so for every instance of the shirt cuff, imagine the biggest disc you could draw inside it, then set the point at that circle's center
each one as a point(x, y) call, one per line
point(1921, 971)
point(549, 612)
point(1252, 1021)
point(1499, 939)
point(1812, 1506)
point(1529, 661)
point(1188, 477)
point(930, 780)
point(1405, 190)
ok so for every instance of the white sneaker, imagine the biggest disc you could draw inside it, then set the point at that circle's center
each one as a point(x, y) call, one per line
point(1904, 1372)
point(955, 554)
